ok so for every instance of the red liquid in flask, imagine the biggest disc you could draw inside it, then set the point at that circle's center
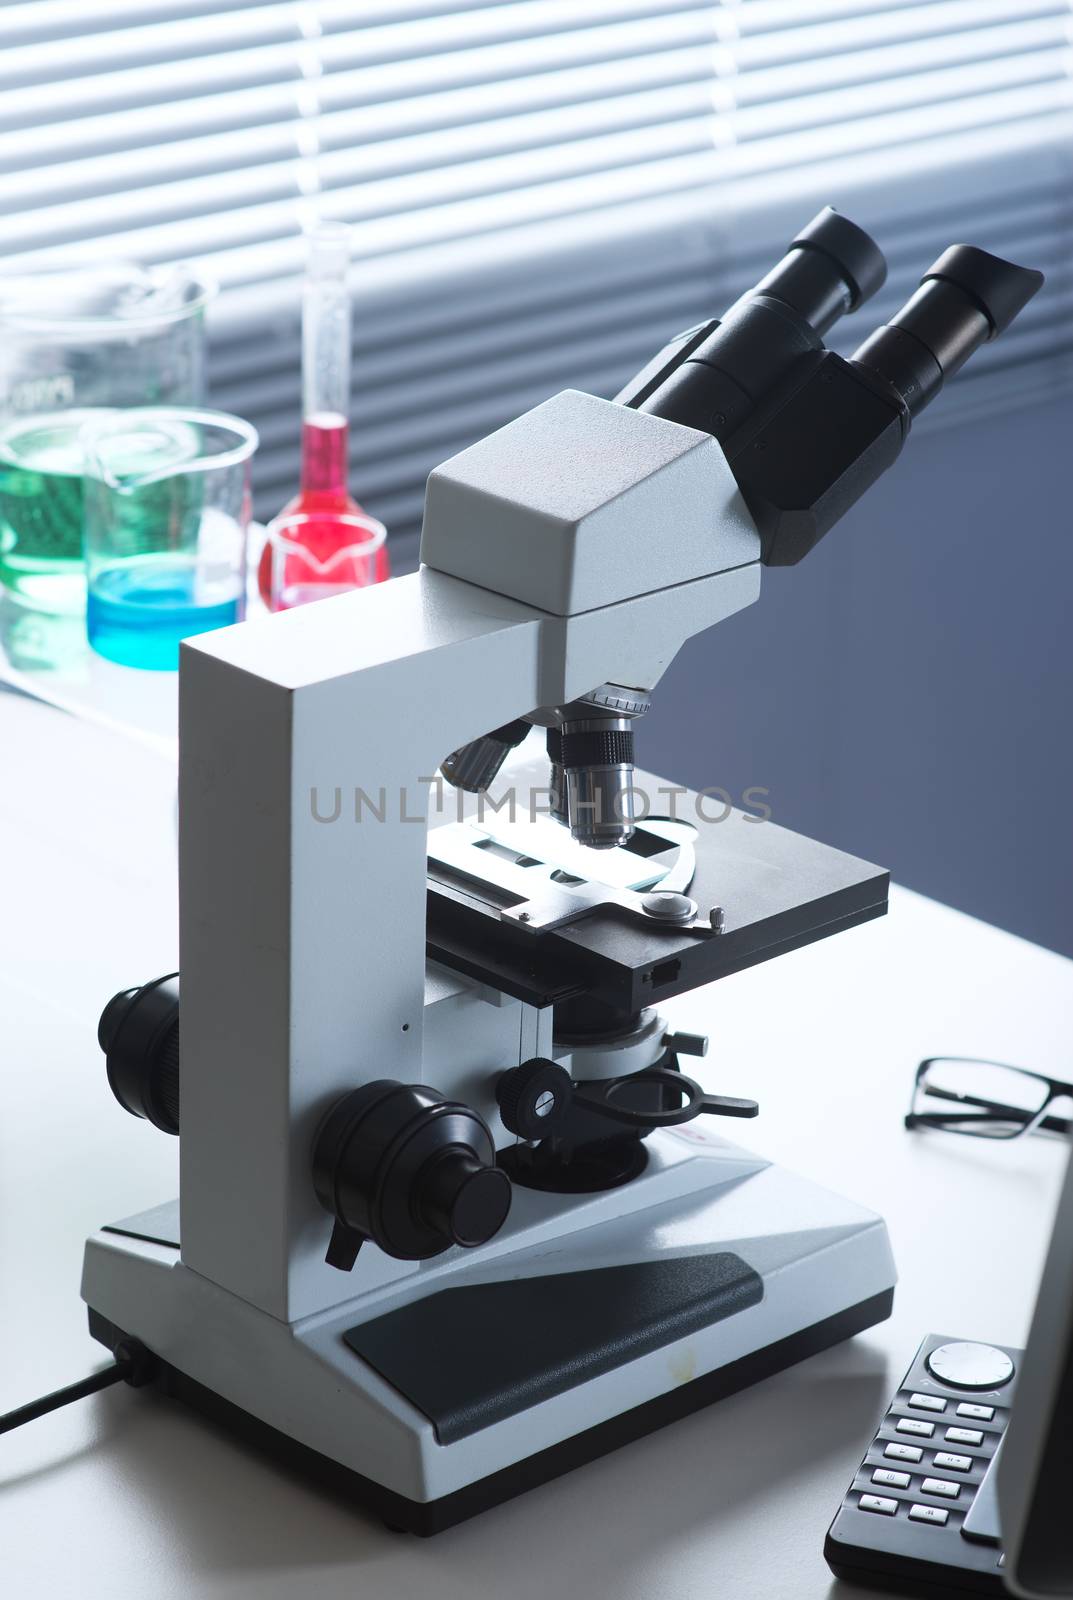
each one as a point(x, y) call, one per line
point(324, 498)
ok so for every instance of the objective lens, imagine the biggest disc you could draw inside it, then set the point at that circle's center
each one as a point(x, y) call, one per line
point(597, 758)
point(476, 765)
point(557, 777)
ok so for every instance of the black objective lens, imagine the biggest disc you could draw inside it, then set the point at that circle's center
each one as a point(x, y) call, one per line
point(967, 298)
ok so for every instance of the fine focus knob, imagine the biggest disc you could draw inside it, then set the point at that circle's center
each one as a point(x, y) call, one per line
point(966, 1365)
point(139, 1034)
point(534, 1098)
point(409, 1169)
point(463, 1200)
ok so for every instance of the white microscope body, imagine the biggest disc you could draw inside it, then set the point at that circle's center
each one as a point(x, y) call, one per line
point(604, 538)
point(380, 1261)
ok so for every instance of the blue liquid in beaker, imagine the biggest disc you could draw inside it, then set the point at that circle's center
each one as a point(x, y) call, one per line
point(137, 612)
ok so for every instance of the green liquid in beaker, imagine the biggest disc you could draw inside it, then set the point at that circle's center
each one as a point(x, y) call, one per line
point(41, 510)
point(43, 504)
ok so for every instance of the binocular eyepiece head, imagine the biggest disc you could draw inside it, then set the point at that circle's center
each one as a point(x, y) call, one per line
point(805, 431)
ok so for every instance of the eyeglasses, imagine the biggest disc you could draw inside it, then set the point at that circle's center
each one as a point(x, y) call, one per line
point(984, 1099)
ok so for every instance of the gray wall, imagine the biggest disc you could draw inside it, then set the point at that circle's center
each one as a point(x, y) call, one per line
point(906, 692)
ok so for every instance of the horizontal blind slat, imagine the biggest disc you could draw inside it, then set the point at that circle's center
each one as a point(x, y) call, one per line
point(33, 104)
point(499, 63)
point(276, 221)
point(344, 97)
point(514, 22)
point(899, 130)
point(873, 65)
point(891, 25)
point(765, 16)
point(154, 127)
point(137, 186)
point(39, 21)
point(850, 107)
point(217, 32)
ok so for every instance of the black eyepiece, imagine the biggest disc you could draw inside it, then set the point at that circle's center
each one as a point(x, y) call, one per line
point(1000, 289)
point(716, 376)
point(851, 263)
point(967, 298)
point(831, 267)
point(856, 255)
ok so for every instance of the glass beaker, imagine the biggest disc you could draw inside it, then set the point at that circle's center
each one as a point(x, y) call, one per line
point(167, 504)
point(76, 340)
point(317, 554)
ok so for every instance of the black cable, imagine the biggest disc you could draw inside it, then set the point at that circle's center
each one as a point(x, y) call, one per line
point(63, 1397)
point(134, 1364)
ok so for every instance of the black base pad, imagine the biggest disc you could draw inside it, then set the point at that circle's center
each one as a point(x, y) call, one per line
point(433, 1516)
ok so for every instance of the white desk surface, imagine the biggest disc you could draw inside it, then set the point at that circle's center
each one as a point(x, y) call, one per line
point(130, 1497)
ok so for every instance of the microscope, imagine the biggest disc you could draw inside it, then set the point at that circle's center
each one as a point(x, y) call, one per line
point(453, 1218)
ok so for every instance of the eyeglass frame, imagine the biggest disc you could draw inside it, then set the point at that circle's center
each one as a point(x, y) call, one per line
point(941, 1122)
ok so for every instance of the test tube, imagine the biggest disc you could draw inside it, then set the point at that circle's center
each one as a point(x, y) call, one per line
point(326, 360)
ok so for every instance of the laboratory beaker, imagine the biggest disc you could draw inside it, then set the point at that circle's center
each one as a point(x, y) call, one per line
point(76, 340)
point(317, 554)
point(167, 503)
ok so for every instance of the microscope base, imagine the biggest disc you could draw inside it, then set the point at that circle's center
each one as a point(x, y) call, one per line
point(466, 1381)
point(428, 1517)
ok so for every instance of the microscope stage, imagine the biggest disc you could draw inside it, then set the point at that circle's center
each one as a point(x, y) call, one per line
point(777, 890)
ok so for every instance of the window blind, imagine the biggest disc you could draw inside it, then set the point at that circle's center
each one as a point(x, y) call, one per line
point(540, 191)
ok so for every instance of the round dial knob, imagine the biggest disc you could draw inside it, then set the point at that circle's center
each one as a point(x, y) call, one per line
point(139, 1034)
point(463, 1199)
point(970, 1366)
point(404, 1166)
point(534, 1098)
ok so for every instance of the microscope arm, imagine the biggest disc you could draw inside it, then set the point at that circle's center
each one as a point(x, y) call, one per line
point(308, 743)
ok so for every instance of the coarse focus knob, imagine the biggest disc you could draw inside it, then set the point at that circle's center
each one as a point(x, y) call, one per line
point(139, 1034)
point(534, 1098)
point(409, 1169)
